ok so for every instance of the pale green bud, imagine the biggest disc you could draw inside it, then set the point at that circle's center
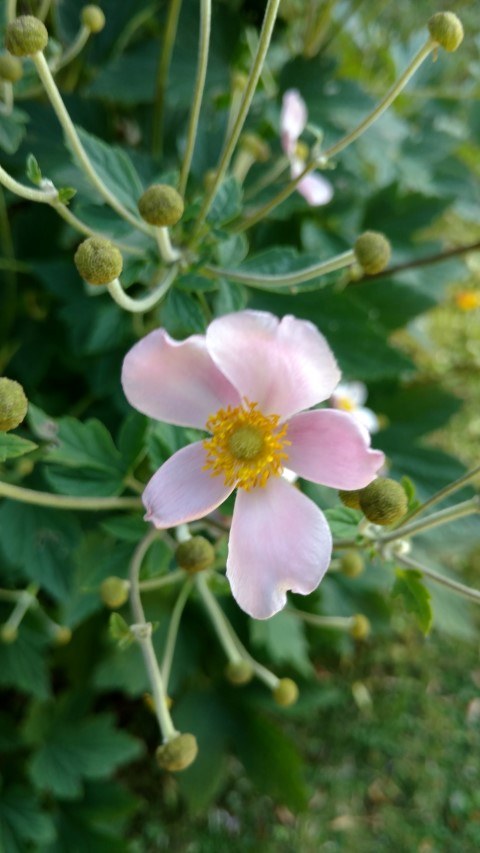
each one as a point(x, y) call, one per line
point(114, 592)
point(13, 404)
point(93, 18)
point(161, 205)
point(98, 261)
point(372, 251)
point(240, 672)
point(286, 692)
point(26, 36)
point(11, 69)
point(255, 146)
point(178, 753)
point(384, 501)
point(447, 30)
point(360, 627)
point(195, 554)
point(351, 563)
point(8, 634)
point(63, 635)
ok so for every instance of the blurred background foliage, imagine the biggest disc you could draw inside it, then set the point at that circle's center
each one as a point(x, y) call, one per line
point(379, 751)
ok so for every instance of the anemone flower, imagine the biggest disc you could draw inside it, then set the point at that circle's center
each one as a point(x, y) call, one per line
point(248, 382)
point(315, 189)
point(350, 397)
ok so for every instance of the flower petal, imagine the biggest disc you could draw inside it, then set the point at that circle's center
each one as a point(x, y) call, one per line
point(175, 381)
point(293, 118)
point(332, 448)
point(367, 418)
point(315, 189)
point(354, 393)
point(181, 491)
point(282, 365)
point(279, 541)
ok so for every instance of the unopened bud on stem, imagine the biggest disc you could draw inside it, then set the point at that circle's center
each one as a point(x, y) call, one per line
point(360, 628)
point(372, 251)
point(178, 753)
point(93, 18)
point(26, 36)
point(98, 261)
point(161, 205)
point(11, 69)
point(384, 501)
point(239, 672)
point(195, 554)
point(447, 30)
point(286, 692)
point(13, 404)
point(114, 592)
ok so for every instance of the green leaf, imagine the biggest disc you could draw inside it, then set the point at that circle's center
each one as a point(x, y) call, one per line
point(71, 751)
point(120, 631)
point(229, 297)
point(283, 637)
point(12, 130)
point(22, 821)
point(23, 664)
point(227, 202)
point(13, 445)
point(33, 171)
point(65, 194)
point(114, 168)
point(415, 595)
point(343, 521)
point(181, 314)
point(97, 822)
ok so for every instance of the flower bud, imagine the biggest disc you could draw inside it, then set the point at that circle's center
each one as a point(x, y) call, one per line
point(255, 146)
point(372, 251)
point(195, 554)
point(238, 673)
point(114, 592)
point(11, 69)
point(360, 627)
point(13, 404)
point(8, 634)
point(161, 205)
point(93, 18)
point(351, 563)
point(25, 36)
point(285, 693)
point(447, 30)
point(178, 753)
point(384, 501)
point(63, 635)
point(350, 499)
point(98, 261)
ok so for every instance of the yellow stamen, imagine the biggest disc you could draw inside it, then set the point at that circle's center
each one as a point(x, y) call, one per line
point(345, 404)
point(246, 446)
point(467, 300)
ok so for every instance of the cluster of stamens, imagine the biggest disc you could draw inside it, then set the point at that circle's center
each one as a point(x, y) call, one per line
point(246, 446)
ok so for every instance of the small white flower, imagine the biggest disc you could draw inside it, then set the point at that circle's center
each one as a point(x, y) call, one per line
point(350, 397)
point(315, 189)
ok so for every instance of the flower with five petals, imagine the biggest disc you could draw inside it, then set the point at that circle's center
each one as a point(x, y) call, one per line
point(248, 382)
point(315, 189)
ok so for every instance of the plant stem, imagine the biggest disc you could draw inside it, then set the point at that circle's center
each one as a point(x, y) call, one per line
point(25, 600)
point(167, 251)
point(460, 588)
point(345, 141)
point(140, 306)
point(42, 196)
point(437, 258)
point(144, 638)
point(342, 623)
point(7, 91)
point(203, 48)
point(442, 517)
point(72, 136)
point(288, 279)
point(74, 49)
point(165, 580)
point(269, 678)
point(162, 75)
point(11, 10)
point(219, 620)
point(173, 630)
point(30, 496)
point(43, 9)
point(80, 226)
point(443, 493)
point(231, 141)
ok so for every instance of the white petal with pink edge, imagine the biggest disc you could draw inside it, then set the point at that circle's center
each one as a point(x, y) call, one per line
point(332, 448)
point(282, 365)
point(279, 541)
point(175, 381)
point(293, 118)
point(315, 189)
point(181, 491)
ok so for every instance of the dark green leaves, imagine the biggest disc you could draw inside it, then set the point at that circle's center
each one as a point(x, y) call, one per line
point(415, 595)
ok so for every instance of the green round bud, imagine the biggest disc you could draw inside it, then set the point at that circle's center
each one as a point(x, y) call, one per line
point(285, 693)
point(372, 251)
point(114, 592)
point(161, 205)
point(93, 18)
point(447, 30)
point(195, 554)
point(25, 36)
point(238, 673)
point(350, 499)
point(63, 635)
point(98, 261)
point(360, 627)
point(8, 634)
point(178, 753)
point(11, 69)
point(384, 501)
point(13, 404)
point(351, 563)
point(255, 146)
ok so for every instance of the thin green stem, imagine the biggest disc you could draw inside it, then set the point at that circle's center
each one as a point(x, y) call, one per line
point(7, 92)
point(8, 298)
point(26, 599)
point(219, 620)
point(443, 493)
point(203, 48)
point(173, 627)
point(30, 496)
point(167, 251)
point(74, 49)
point(72, 136)
point(460, 588)
point(165, 580)
point(140, 306)
point(11, 10)
point(442, 517)
point(162, 75)
point(313, 162)
point(143, 635)
point(342, 623)
point(288, 279)
point(231, 141)
point(269, 678)
point(42, 196)
point(43, 9)
point(82, 228)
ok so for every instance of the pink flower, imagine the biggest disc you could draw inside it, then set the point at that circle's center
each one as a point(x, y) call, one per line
point(350, 397)
point(293, 119)
point(247, 382)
